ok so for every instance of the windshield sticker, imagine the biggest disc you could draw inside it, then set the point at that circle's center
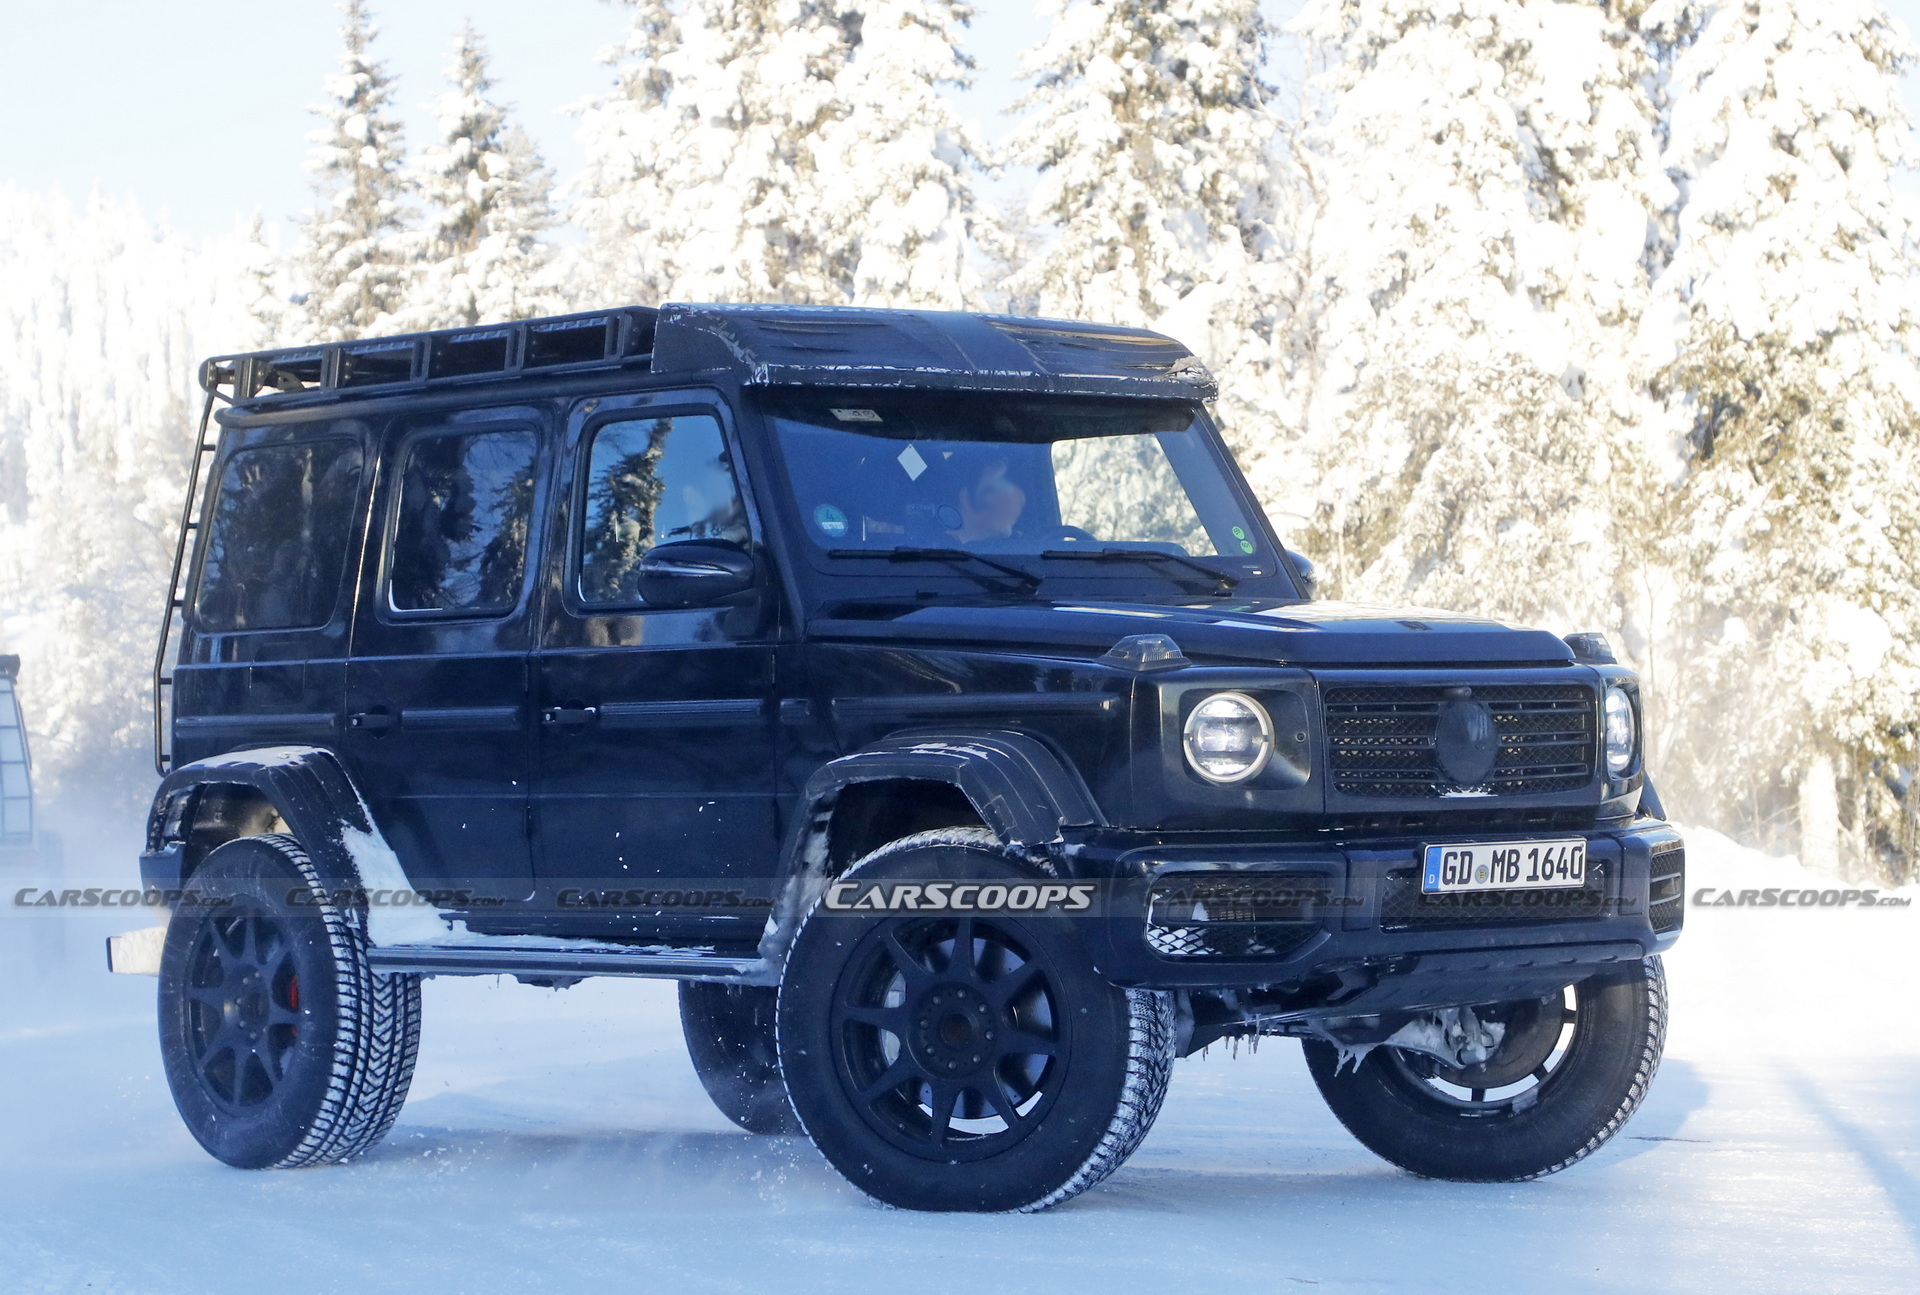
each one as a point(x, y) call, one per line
point(857, 415)
point(910, 460)
point(831, 521)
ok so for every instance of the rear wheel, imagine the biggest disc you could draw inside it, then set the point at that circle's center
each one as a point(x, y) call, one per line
point(965, 1061)
point(281, 1045)
point(730, 1038)
point(1568, 1072)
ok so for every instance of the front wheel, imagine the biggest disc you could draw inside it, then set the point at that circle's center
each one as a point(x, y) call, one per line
point(1568, 1072)
point(971, 1060)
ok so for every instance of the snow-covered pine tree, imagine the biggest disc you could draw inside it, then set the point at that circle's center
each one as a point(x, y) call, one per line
point(900, 220)
point(782, 150)
point(1164, 199)
point(1489, 182)
point(489, 200)
point(107, 316)
point(354, 262)
point(1155, 150)
point(1796, 652)
point(701, 181)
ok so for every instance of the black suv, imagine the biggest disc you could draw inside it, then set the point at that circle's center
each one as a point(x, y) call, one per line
point(926, 693)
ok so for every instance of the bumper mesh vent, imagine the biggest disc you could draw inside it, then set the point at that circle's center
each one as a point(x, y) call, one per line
point(1667, 887)
point(1234, 915)
point(1380, 740)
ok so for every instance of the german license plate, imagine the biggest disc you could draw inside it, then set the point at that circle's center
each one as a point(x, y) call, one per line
point(1505, 865)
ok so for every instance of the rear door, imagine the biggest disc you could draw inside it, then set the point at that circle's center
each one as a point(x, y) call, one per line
point(656, 768)
point(439, 721)
point(263, 656)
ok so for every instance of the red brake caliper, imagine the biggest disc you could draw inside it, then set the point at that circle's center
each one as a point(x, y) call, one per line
point(293, 999)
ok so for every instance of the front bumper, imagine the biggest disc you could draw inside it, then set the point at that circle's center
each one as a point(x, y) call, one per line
point(1351, 935)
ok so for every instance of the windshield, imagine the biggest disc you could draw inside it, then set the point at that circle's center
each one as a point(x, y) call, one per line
point(1051, 478)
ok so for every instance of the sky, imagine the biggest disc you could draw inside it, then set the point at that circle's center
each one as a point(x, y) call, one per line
point(198, 108)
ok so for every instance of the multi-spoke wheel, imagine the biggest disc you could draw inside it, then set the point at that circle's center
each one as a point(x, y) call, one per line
point(281, 1045)
point(1569, 1070)
point(965, 1061)
point(242, 1006)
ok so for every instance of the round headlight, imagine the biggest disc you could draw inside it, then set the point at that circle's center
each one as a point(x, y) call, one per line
point(1620, 734)
point(1229, 738)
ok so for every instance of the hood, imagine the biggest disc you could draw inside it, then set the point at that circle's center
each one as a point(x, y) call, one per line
point(1323, 634)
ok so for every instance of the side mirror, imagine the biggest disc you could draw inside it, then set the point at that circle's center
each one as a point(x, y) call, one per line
point(694, 573)
point(1305, 574)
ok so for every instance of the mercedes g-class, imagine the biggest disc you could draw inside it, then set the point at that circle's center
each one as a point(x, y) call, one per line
point(928, 694)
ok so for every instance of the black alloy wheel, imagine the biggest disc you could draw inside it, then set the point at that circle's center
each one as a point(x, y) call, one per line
point(281, 1044)
point(1568, 1072)
point(965, 1060)
point(950, 1035)
point(242, 1006)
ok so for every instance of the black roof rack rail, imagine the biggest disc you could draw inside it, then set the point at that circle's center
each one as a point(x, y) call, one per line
point(409, 361)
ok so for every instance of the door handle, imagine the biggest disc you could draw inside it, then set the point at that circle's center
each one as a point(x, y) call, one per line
point(372, 721)
point(569, 716)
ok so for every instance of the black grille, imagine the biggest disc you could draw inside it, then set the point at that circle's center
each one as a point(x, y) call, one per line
point(1403, 907)
point(1234, 915)
point(1667, 887)
point(1381, 739)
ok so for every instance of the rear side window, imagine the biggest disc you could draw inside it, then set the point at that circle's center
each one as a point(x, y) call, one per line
point(281, 525)
point(652, 481)
point(466, 511)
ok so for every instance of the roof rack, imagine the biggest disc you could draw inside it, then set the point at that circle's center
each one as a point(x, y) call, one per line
point(410, 361)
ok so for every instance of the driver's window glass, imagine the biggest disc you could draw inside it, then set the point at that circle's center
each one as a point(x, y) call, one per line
point(1123, 488)
point(466, 509)
point(652, 481)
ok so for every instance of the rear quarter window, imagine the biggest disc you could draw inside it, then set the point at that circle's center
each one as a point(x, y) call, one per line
point(281, 524)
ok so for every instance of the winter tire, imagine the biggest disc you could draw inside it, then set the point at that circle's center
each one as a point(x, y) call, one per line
point(281, 1045)
point(965, 1061)
point(1568, 1072)
point(730, 1038)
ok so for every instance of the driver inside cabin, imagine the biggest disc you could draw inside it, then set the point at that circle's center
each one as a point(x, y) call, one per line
point(974, 499)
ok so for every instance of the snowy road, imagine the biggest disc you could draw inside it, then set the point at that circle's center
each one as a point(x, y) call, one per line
point(559, 1141)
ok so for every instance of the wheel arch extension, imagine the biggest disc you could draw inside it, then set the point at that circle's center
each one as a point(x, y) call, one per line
point(1011, 783)
point(299, 790)
point(1014, 785)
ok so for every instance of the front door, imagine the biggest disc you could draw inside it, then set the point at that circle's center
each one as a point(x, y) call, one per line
point(656, 741)
point(439, 726)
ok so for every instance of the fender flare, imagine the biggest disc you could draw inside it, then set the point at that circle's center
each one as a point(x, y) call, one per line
point(310, 791)
point(1023, 792)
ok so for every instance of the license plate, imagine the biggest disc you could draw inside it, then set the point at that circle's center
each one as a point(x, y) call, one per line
point(1505, 865)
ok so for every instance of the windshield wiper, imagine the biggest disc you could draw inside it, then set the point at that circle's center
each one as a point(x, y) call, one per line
point(1223, 583)
point(1029, 582)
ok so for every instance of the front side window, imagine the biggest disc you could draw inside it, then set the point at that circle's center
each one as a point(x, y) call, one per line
point(652, 481)
point(280, 529)
point(465, 516)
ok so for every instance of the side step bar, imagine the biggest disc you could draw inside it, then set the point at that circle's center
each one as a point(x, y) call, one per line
point(511, 960)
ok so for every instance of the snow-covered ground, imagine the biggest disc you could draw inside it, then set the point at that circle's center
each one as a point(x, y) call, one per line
point(559, 1141)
